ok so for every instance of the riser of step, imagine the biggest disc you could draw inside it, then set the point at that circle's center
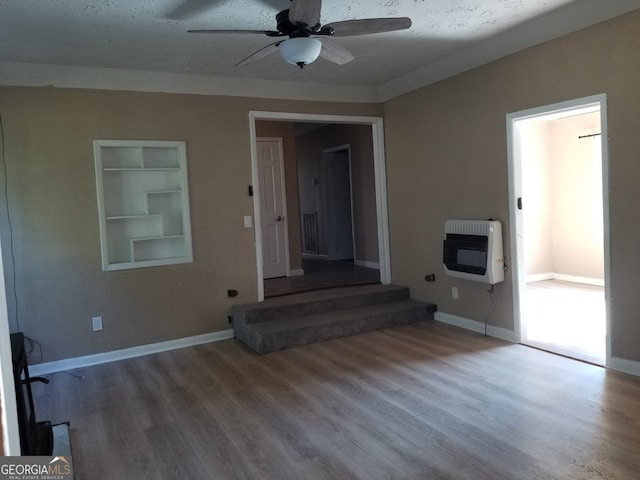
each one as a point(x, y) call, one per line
point(316, 302)
point(279, 334)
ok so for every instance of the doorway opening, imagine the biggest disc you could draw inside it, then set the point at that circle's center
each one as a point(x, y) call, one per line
point(559, 227)
point(326, 197)
point(339, 211)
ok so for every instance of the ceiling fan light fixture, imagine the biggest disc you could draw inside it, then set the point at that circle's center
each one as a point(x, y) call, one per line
point(300, 51)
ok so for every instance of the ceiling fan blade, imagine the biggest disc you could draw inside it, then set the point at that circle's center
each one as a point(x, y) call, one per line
point(334, 52)
point(305, 11)
point(270, 33)
point(366, 26)
point(260, 54)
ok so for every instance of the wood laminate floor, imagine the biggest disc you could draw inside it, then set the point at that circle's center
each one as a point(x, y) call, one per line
point(425, 401)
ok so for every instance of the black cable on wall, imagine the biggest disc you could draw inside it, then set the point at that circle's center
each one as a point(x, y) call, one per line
point(3, 160)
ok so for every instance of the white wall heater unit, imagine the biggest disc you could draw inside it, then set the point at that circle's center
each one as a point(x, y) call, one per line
point(473, 250)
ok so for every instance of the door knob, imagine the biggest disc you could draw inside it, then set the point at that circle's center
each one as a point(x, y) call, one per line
point(279, 218)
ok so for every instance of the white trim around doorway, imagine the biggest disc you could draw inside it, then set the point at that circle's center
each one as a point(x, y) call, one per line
point(515, 192)
point(379, 162)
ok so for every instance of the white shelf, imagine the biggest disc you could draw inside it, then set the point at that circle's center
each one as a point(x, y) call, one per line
point(156, 248)
point(134, 217)
point(160, 237)
point(141, 169)
point(144, 217)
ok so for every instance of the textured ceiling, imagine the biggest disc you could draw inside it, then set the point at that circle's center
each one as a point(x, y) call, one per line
point(151, 35)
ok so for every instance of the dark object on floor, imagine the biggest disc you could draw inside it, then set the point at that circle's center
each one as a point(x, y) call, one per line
point(36, 438)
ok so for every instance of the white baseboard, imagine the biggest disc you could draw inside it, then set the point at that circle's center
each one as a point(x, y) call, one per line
point(298, 272)
point(585, 280)
point(538, 277)
point(322, 256)
point(365, 263)
point(632, 367)
point(475, 326)
point(106, 357)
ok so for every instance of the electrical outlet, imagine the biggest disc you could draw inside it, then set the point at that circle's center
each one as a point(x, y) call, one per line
point(97, 323)
point(454, 293)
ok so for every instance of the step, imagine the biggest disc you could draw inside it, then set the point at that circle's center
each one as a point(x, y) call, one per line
point(319, 301)
point(280, 333)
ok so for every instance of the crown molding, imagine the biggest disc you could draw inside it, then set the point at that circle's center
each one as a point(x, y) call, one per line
point(70, 76)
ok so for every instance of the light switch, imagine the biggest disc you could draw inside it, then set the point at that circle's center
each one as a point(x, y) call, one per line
point(96, 323)
point(248, 221)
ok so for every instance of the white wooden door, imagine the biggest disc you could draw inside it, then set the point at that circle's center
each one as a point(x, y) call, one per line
point(272, 207)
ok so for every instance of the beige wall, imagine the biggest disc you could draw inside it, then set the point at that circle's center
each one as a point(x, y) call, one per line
point(446, 158)
point(575, 213)
point(286, 131)
point(52, 200)
point(562, 205)
point(537, 197)
point(360, 141)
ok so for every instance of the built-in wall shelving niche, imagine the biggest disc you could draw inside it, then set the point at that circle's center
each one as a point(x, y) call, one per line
point(143, 203)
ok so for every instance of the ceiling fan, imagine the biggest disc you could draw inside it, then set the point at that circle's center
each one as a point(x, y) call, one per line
point(301, 25)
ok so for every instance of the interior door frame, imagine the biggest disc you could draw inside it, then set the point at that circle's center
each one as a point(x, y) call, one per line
point(379, 163)
point(325, 154)
point(10, 434)
point(515, 192)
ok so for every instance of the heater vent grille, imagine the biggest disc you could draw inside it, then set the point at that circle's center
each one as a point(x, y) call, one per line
point(310, 232)
point(469, 227)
